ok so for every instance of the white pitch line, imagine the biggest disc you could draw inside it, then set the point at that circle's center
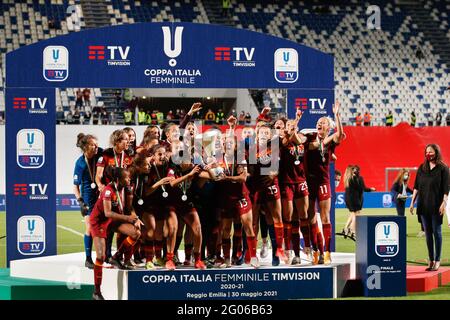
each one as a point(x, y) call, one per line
point(71, 230)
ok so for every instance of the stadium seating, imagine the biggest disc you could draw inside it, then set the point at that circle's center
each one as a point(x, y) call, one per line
point(375, 70)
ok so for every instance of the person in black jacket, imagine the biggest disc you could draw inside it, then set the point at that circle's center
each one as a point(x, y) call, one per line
point(354, 190)
point(400, 191)
point(431, 191)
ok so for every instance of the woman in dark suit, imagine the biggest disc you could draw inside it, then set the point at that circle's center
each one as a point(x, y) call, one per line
point(354, 191)
point(400, 191)
point(431, 191)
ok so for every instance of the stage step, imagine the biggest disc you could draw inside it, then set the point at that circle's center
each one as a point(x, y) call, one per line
point(419, 280)
point(12, 288)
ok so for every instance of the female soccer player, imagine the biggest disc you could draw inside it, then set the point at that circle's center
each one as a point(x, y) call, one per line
point(109, 215)
point(319, 149)
point(294, 189)
point(157, 192)
point(116, 156)
point(84, 186)
point(180, 199)
point(236, 203)
point(131, 150)
point(264, 186)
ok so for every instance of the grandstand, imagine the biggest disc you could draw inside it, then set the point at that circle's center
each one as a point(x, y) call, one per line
point(375, 70)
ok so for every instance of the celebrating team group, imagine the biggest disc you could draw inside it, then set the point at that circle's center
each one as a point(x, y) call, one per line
point(216, 190)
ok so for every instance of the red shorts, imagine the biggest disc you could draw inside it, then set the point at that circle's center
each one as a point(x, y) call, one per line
point(102, 229)
point(236, 207)
point(270, 193)
point(294, 191)
point(319, 192)
point(183, 209)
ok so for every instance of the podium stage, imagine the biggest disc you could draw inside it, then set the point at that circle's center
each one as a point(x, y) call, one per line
point(186, 283)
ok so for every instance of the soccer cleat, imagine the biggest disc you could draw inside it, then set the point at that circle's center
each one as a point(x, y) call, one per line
point(138, 262)
point(327, 257)
point(307, 252)
point(321, 259)
point(97, 296)
point(275, 261)
point(315, 259)
point(240, 260)
point(116, 263)
point(158, 262)
point(254, 262)
point(296, 261)
point(200, 265)
point(281, 254)
point(264, 250)
point(176, 260)
point(187, 263)
point(89, 263)
point(228, 262)
point(149, 265)
point(170, 265)
point(129, 265)
point(220, 263)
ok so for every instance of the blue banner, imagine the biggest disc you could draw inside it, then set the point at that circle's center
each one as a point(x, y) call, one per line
point(169, 55)
point(236, 284)
point(371, 200)
point(30, 173)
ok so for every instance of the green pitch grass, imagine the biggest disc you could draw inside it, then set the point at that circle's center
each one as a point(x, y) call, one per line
point(69, 241)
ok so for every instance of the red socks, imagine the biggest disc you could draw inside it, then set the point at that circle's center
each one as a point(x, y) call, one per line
point(327, 235)
point(149, 248)
point(251, 243)
point(287, 235)
point(98, 274)
point(296, 238)
point(304, 228)
point(158, 249)
point(279, 234)
point(226, 248)
point(314, 232)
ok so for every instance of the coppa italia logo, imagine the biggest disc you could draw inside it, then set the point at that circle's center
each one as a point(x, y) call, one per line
point(114, 55)
point(34, 191)
point(314, 105)
point(241, 57)
point(34, 105)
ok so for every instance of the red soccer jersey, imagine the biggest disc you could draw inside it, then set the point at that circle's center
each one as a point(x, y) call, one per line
point(291, 164)
point(233, 190)
point(109, 193)
point(110, 158)
point(318, 161)
point(258, 179)
point(157, 173)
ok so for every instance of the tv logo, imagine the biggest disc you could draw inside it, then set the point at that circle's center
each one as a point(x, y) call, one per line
point(55, 63)
point(117, 55)
point(30, 148)
point(174, 52)
point(34, 191)
point(314, 105)
point(31, 235)
point(35, 105)
point(243, 57)
point(387, 200)
point(386, 239)
point(286, 65)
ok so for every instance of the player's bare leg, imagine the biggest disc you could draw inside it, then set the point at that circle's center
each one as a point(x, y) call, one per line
point(172, 225)
point(193, 221)
point(149, 238)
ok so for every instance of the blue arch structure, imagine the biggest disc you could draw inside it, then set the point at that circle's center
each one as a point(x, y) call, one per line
point(144, 55)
